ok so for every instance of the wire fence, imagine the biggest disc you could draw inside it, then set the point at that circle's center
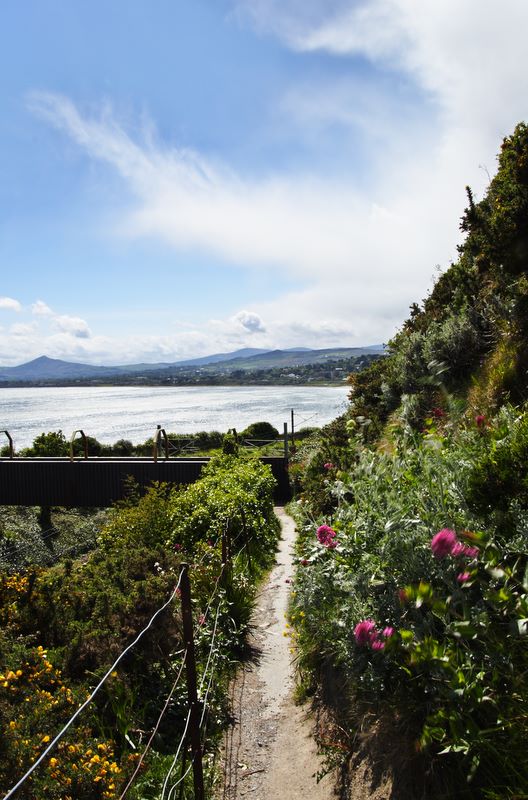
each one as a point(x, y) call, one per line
point(194, 730)
point(45, 547)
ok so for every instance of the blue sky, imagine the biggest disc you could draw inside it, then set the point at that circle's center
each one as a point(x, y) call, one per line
point(186, 177)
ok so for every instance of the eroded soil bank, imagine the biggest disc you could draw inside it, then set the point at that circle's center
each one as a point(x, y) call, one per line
point(269, 752)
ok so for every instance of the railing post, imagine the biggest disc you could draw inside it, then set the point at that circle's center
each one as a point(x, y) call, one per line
point(85, 444)
point(10, 439)
point(192, 695)
point(160, 432)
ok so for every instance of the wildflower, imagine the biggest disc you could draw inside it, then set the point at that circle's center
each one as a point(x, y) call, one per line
point(480, 421)
point(403, 595)
point(443, 542)
point(460, 549)
point(438, 413)
point(365, 632)
point(304, 562)
point(462, 577)
point(201, 619)
point(329, 465)
point(388, 632)
point(178, 547)
point(377, 644)
point(326, 536)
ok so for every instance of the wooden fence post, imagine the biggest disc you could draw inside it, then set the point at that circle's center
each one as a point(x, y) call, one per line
point(226, 555)
point(192, 695)
point(246, 538)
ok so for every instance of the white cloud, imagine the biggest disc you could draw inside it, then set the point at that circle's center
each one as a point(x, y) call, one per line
point(73, 325)
point(250, 321)
point(41, 309)
point(22, 329)
point(10, 304)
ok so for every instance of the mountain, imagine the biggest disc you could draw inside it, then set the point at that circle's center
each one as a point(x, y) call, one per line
point(44, 369)
point(246, 352)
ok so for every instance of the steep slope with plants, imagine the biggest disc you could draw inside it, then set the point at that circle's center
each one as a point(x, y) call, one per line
point(411, 595)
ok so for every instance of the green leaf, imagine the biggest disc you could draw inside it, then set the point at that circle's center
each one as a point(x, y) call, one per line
point(464, 629)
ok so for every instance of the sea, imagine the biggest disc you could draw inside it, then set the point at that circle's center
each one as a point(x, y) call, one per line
point(109, 413)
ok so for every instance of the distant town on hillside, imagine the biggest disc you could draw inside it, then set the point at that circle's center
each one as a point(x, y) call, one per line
point(245, 367)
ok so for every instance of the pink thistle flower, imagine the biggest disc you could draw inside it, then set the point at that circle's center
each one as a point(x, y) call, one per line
point(377, 644)
point(326, 536)
point(443, 542)
point(438, 413)
point(480, 420)
point(178, 547)
point(304, 562)
point(365, 632)
point(329, 465)
point(388, 632)
point(458, 549)
point(462, 577)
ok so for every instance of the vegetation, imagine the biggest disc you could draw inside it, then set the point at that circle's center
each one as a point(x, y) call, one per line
point(62, 627)
point(411, 591)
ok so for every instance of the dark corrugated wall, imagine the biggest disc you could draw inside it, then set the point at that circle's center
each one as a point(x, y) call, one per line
point(100, 482)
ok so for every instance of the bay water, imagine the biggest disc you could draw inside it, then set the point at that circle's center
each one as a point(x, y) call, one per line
point(110, 413)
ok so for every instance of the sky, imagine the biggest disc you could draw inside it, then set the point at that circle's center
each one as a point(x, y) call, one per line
point(187, 177)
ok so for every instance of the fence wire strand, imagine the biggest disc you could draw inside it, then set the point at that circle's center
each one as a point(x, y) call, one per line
point(89, 699)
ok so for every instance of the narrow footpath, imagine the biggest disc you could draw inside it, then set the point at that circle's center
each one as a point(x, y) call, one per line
point(269, 752)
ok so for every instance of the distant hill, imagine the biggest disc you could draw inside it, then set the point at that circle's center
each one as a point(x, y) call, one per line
point(44, 368)
point(47, 370)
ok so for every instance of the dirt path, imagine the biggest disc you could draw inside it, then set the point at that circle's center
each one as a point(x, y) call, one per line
point(269, 752)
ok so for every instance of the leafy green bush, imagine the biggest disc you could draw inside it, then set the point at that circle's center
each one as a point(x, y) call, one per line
point(260, 430)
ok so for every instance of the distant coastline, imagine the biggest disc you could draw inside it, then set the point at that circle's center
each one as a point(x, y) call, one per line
point(329, 367)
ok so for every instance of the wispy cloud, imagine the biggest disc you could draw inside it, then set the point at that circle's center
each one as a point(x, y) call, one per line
point(321, 232)
point(358, 256)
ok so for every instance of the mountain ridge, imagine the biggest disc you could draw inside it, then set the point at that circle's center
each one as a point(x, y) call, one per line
point(44, 368)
